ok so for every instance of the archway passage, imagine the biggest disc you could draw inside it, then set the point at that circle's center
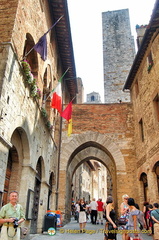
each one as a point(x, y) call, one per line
point(11, 176)
point(80, 150)
point(91, 180)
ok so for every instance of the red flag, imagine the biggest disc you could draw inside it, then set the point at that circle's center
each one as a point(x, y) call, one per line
point(56, 101)
point(67, 113)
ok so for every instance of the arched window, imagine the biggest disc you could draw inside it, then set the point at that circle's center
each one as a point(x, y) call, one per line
point(143, 178)
point(92, 98)
point(31, 55)
point(156, 170)
point(47, 88)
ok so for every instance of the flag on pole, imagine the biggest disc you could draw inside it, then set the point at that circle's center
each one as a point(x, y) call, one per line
point(67, 114)
point(56, 101)
point(69, 127)
point(41, 47)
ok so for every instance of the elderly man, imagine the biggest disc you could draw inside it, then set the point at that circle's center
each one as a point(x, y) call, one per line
point(93, 206)
point(11, 215)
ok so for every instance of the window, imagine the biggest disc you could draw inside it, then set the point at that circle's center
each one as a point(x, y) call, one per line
point(141, 129)
point(136, 88)
point(143, 178)
point(150, 61)
point(156, 106)
point(92, 98)
point(156, 169)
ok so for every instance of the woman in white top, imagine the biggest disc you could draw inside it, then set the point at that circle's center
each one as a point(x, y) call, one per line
point(124, 210)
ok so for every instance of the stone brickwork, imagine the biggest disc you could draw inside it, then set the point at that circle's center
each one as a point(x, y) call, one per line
point(118, 54)
point(35, 139)
point(21, 123)
point(143, 92)
point(102, 132)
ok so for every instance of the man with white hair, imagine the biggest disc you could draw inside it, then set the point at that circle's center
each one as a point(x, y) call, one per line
point(93, 207)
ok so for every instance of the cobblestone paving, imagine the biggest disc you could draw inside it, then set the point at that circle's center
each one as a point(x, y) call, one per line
point(71, 232)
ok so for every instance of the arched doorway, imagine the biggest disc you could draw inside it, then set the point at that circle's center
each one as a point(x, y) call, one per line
point(16, 155)
point(101, 149)
point(37, 187)
point(156, 170)
point(9, 185)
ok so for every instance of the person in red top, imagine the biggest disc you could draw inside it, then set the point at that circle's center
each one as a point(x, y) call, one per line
point(100, 211)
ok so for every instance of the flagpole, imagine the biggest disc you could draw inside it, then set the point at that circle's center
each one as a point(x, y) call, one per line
point(42, 36)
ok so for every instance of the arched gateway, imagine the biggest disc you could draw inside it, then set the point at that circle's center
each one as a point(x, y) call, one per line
point(83, 147)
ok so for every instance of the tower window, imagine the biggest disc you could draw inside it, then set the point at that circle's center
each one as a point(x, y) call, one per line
point(92, 98)
point(141, 129)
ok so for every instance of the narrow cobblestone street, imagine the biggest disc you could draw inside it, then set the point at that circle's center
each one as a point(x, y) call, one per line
point(71, 232)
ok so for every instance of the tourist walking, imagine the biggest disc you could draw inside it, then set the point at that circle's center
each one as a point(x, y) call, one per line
point(124, 211)
point(133, 221)
point(93, 207)
point(155, 218)
point(82, 215)
point(110, 225)
point(100, 210)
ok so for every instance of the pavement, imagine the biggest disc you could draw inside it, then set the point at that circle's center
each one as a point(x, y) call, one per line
point(71, 232)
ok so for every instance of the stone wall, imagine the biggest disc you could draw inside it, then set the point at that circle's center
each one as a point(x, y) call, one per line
point(21, 121)
point(104, 132)
point(118, 54)
point(22, 126)
point(143, 91)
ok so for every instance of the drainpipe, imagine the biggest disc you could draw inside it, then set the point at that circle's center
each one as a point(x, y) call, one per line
point(58, 165)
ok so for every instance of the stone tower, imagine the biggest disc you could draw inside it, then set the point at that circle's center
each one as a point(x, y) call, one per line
point(118, 54)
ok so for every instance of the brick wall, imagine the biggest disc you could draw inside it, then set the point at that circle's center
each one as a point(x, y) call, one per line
point(7, 18)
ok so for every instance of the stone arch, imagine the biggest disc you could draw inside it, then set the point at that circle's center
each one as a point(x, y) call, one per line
point(155, 170)
point(30, 54)
point(19, 139)
point(91, 146)
point(18, 156)
point(98, 140)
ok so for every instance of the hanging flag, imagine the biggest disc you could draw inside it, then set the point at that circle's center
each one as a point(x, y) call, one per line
point(69, 127)
point(56, 101)
point(41, 47)
point(67, 113)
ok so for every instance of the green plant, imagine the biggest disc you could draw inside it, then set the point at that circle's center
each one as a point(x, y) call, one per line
point(149, 66)
point(29, 78)
point(44, 113)
point(48, 124)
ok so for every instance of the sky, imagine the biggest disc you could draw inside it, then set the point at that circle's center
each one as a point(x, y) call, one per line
point(86, 29)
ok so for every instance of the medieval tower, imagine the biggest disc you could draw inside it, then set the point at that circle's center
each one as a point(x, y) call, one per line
point(118, 54)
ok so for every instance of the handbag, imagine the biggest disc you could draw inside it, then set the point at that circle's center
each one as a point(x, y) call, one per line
point(122, 221)
point(23, 232)
point(110, 227)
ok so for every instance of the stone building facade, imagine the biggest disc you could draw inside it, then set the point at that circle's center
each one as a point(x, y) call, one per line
point(29, 128)
point(105, 133)
point(143, 83)
point(118, 54)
